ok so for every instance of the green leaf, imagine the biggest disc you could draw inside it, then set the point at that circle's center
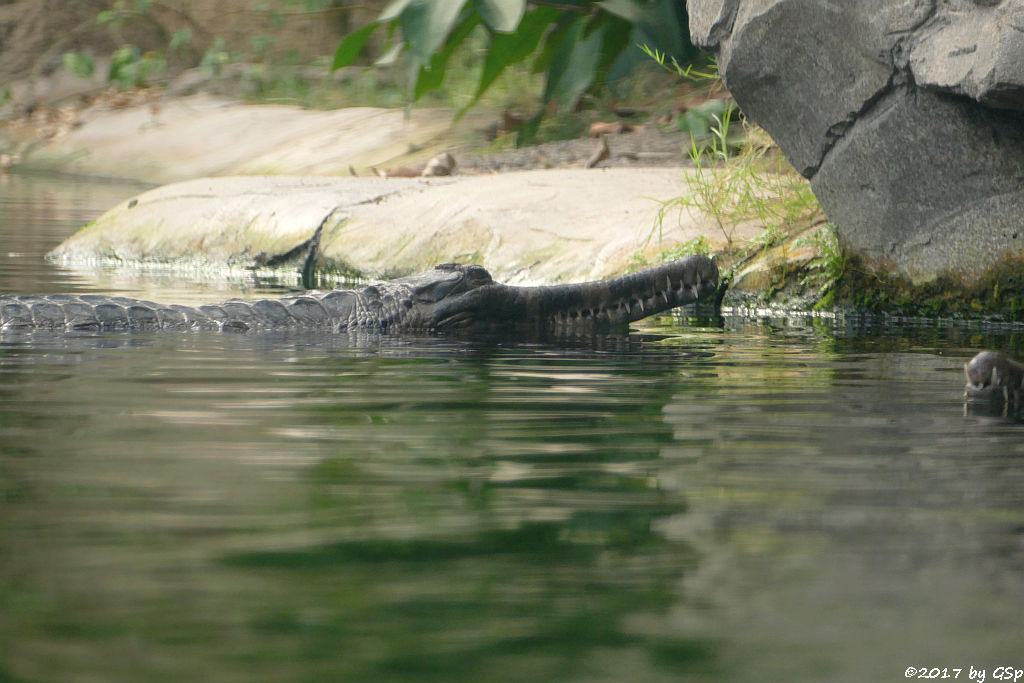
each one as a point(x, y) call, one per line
point(427, 80)
point(353, 45)
point(394, 8)
point(181, 38)
point(530, 129)
point(432, 77)
point(615, 42)
point(390, 55)
point(501, 15)
point(510, 48)
point(630, 10)
point(659, 24)
point(546, 55)
point(574, 64)
point(215, 57)
point(426, 24)
point(126, 54)
point(78, 64)
point(696, 124)
point(698, 120)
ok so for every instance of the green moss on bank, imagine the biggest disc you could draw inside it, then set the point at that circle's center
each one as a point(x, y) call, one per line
point(809, 270)
point(998, 293)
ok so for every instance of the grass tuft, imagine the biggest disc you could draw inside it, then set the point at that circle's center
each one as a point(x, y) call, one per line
point(753, 182)
point(825, 269)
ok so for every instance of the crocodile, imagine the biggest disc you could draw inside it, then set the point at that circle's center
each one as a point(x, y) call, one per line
point(451, 296)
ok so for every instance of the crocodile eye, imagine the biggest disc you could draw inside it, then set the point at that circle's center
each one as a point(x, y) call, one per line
point(477, 276)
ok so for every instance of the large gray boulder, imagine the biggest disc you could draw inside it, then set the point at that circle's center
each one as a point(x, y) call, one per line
point(906, 115)
point(526, 227)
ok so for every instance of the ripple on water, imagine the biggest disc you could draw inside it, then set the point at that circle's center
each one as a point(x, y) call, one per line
point(692, 503)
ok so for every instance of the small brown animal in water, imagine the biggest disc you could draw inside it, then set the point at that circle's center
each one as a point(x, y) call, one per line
point(991, 374)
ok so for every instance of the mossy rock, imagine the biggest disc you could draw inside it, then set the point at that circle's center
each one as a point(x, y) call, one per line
point(997, 294)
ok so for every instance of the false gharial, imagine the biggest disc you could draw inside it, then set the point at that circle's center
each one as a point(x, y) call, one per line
point(449, 297)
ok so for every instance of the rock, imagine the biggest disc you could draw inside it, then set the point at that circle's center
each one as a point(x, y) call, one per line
point(906, 115)
point(977, 53)
point(527, 227)
point(926, 185)
point(203, 135)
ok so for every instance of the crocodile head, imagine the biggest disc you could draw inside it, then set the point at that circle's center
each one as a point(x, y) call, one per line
point(454, 296)
point(445, 281)
point(426, 301)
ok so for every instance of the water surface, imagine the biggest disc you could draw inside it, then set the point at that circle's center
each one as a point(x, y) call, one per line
point(700, 500)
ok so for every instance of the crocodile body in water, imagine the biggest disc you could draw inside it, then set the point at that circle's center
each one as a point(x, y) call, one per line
point(451, 296)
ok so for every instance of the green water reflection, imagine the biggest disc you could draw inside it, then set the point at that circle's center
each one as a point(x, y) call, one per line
point(746, 501)
point(700, 507)
point(199, 504)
